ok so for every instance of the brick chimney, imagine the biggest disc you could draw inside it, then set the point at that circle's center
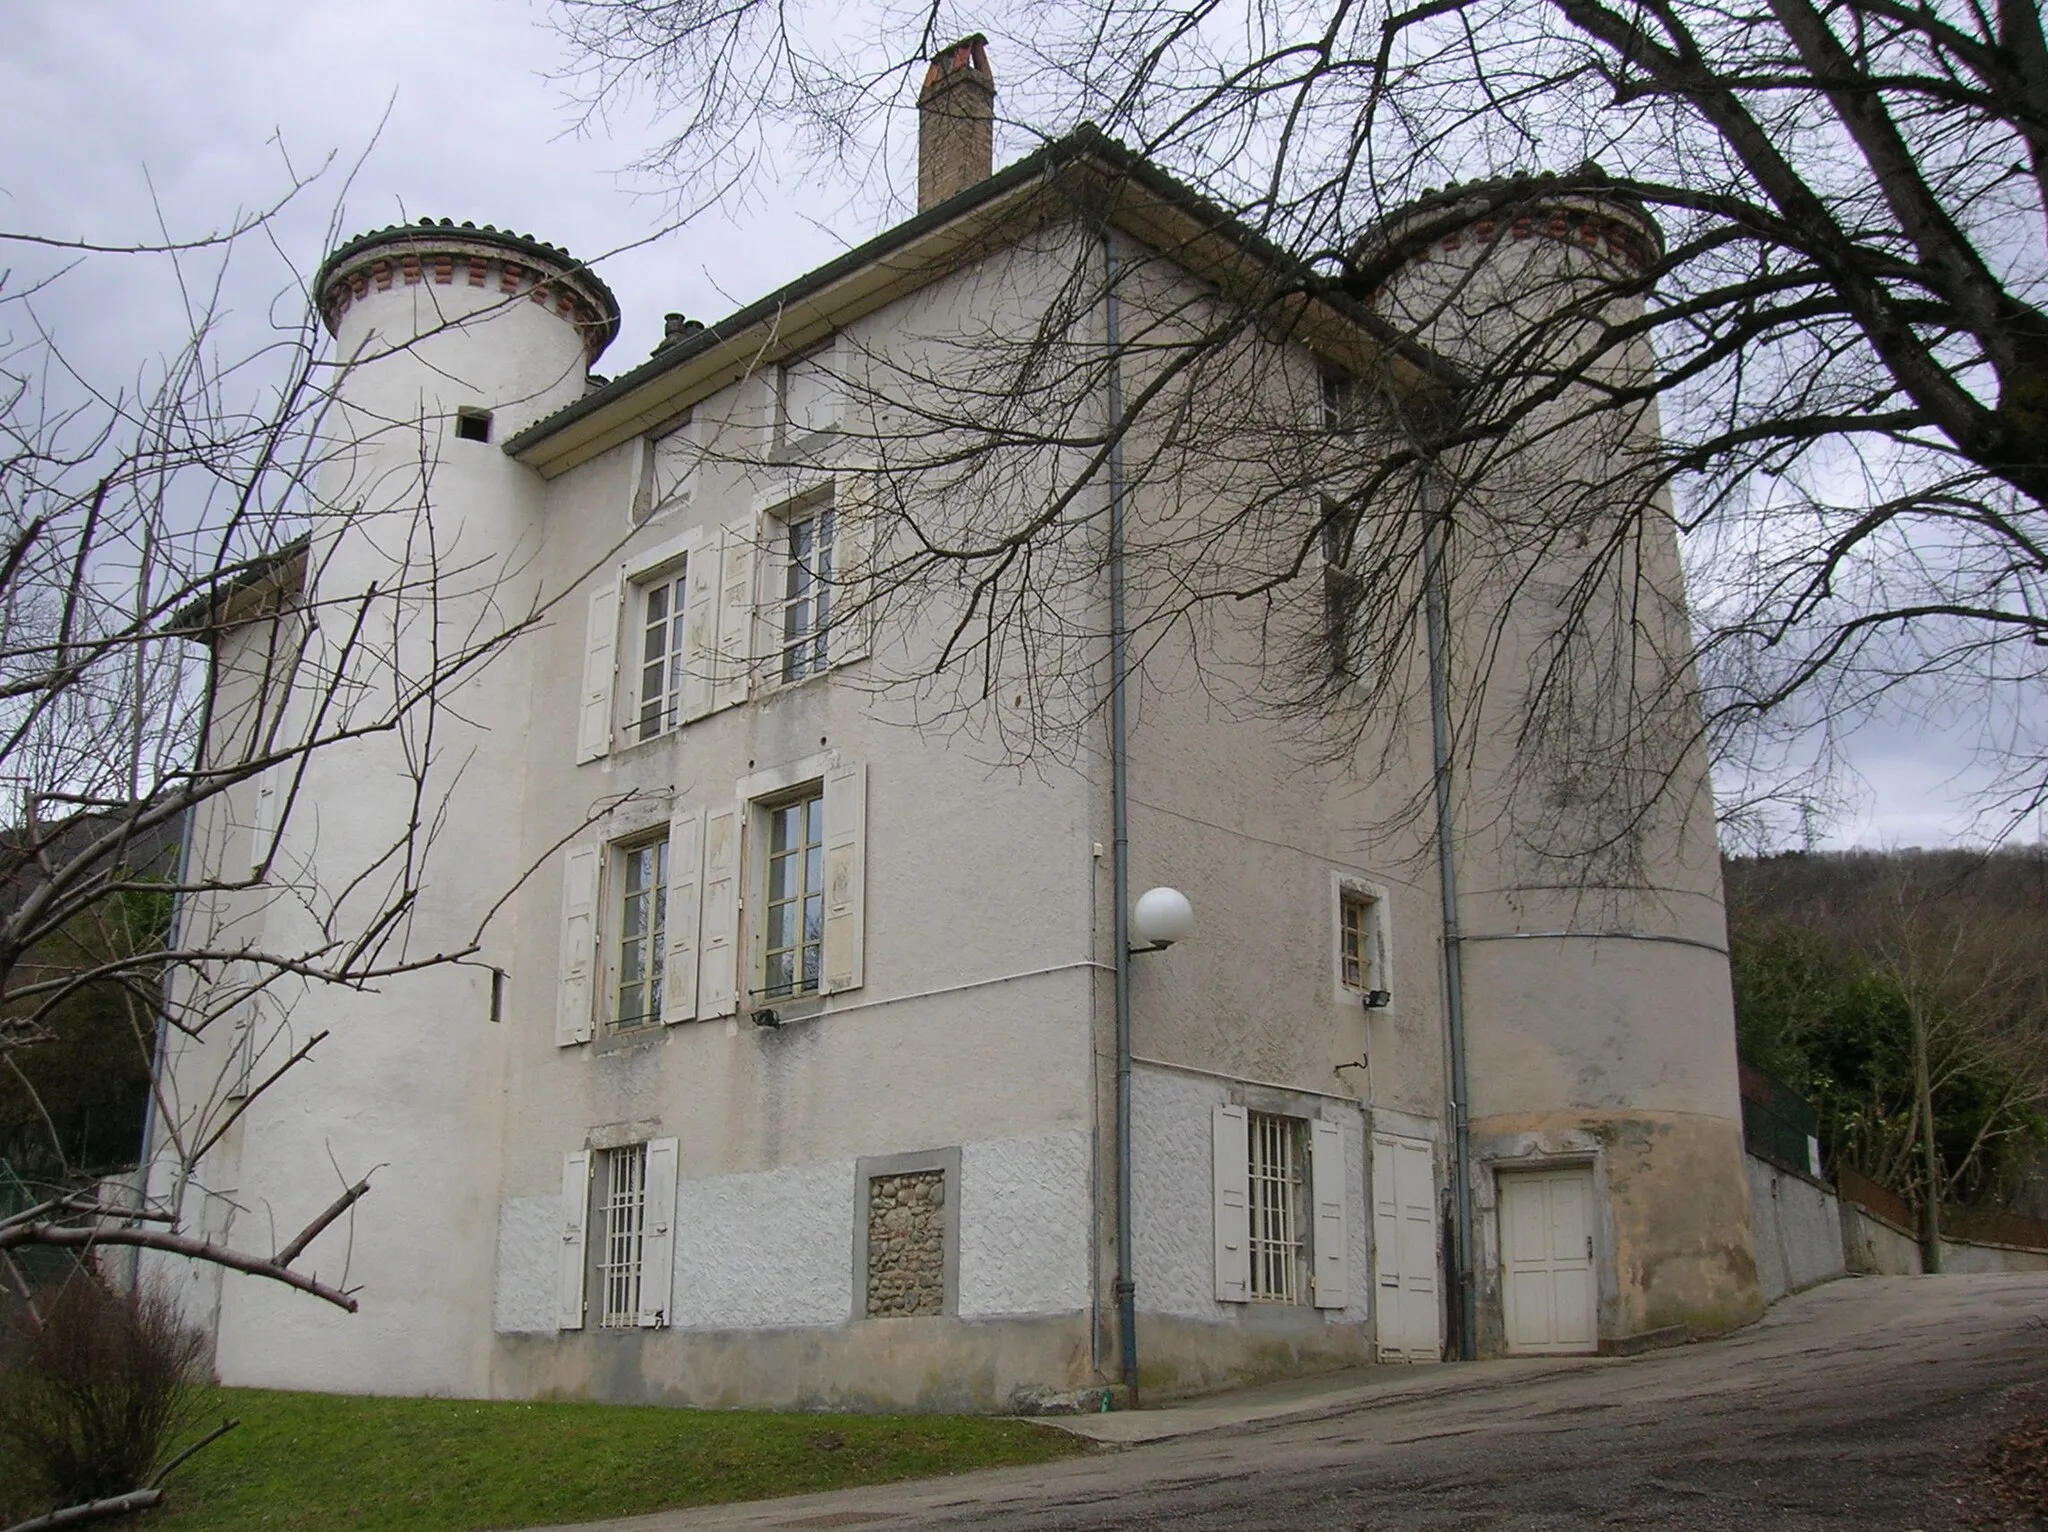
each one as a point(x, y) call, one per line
point(956, 114)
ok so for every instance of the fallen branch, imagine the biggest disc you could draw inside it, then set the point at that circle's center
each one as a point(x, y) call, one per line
point(93, 1510)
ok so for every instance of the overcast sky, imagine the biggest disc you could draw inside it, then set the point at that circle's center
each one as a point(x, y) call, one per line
point(199, 102)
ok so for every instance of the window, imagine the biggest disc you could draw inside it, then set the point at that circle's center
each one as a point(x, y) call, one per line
point(662, 601)
point(810, 396)
point(621, 1232)
point(1282, 1209)
point(1340, 401)
point(1343, 590)
point(1355, 941)
point(618, 1233)
point(642, 912)
point(473, 425)
point(1279, 1257)
point(793, 937)
point(1362, 944)
point(806, 592)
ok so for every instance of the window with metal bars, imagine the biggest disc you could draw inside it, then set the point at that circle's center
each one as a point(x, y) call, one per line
point(622, 1225)
point(806, 593)
point(1278, 1194)
point(795, 932)
point(642, 909)
point(661, 652)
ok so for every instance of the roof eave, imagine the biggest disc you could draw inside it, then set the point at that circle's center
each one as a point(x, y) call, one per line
point(1084, 168)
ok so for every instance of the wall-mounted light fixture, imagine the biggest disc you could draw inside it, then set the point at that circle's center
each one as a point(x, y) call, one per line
point(767, 1017)
point(1161, 917)
point(1378, 999)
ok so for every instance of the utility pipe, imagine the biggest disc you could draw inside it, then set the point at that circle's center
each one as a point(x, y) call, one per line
point(1436, 602)
point(1120, 830)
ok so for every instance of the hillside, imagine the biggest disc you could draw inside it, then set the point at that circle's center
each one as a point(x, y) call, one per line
point(1837, 954)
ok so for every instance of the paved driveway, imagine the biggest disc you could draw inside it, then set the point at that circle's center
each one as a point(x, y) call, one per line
point(1855, 1405)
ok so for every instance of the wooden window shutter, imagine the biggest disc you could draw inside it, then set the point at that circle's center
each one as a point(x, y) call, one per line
point(853, 586)
point(1231, 1138)
point(657, 1237)
point(575, 1214)
point(718, 963)
point(600, 661)
point(680, 919)
point(700, 631)
point(579, 945)
point(1328, 1196)
point(736, 613)
point(846, 827)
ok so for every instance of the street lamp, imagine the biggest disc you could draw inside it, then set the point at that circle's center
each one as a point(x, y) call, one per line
point(1161, 917)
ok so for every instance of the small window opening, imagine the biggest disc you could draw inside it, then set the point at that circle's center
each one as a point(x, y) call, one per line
point(473, 425)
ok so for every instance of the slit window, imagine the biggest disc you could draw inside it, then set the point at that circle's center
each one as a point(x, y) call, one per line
point(1277, 1192)
point(643, 897)
point(623, 1216)
point(661, 651)
point(806, 593)
point(793, 950)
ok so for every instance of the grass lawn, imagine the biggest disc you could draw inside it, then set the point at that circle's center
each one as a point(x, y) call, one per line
point(322, 1461)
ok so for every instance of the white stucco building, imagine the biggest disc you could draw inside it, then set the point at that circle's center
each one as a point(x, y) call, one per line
point(788, 1069)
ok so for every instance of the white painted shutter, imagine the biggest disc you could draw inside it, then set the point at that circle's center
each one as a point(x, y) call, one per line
point(263, 828)
point(735, 613)
point(700, 631)
point(657, 1235)
point(853, 587)
point(1327, 1194)
point(579, 945)
point(680, 918)
point(1421, 1330)
point(600, 660)
point(846, 827)
point(718, 966)
point(1229, 1133)
point(575, 1212)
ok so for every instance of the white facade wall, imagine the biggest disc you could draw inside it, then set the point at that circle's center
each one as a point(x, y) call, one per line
point(979, 1031)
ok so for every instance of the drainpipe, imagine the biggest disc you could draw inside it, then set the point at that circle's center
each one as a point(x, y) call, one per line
point(1120, 832)
point(160, 1053)
point(1436, 601)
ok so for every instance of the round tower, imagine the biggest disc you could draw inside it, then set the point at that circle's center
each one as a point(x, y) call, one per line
point(425, 589)
point(1606, 1168)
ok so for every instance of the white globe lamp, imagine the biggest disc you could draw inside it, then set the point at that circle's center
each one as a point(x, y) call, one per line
point(1161, 917)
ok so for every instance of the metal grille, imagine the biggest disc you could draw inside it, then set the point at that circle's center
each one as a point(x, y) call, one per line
point(661, 654)
point(1276, 1199)
point(643, 901)
point(796, 896)
point(807, 595)
point(623, 1222)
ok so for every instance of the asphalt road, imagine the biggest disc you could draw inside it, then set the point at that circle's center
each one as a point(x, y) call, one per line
point(1863, 1404)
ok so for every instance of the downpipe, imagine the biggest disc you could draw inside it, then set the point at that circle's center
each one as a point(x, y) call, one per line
point(1436, 603)
point(1126, 1290)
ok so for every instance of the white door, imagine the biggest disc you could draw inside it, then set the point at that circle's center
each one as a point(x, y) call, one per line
point(1404, 1250)
point(1546, 1240)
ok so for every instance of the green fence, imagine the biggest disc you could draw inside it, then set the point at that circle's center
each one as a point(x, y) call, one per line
point(1779, 1124)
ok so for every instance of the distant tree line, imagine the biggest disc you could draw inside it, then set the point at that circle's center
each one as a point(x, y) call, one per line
point(1838, 955)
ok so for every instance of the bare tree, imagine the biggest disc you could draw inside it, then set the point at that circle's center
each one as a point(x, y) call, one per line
point(170, 668)
point(1819, 349)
